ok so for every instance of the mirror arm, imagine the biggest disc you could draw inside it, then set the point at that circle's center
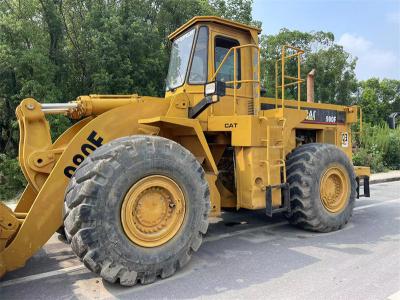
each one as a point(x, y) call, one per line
point(200, 107)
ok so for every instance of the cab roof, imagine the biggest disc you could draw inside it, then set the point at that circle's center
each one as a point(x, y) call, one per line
point(213, 19)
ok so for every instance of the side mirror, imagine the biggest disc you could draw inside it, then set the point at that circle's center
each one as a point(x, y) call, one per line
point(215, 89)
point(212, 92)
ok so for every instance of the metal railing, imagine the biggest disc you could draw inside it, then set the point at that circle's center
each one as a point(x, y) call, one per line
point(235, 82)
point(294, 80)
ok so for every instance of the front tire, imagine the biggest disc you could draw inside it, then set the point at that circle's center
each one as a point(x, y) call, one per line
point(136, 209)
point(322, 187)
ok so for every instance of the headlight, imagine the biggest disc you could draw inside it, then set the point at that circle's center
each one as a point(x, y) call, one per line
point(217, 88)
point(209, 89)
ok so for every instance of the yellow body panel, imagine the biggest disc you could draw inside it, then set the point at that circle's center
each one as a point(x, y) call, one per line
point(362, 171)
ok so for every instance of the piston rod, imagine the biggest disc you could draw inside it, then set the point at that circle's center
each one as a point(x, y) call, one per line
point(58, 108)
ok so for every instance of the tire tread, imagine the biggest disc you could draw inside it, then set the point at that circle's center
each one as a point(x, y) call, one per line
point(81, 194)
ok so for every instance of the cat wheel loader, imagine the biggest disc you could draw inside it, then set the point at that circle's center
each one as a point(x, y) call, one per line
point(132, 183)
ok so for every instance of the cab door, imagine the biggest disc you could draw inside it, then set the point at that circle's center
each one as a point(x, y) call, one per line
point(221, 40)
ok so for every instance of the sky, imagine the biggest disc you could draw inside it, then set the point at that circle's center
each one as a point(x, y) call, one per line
point(367, 29)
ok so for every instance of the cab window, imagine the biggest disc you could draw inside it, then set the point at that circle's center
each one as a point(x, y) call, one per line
point(180, 54)
point(222, 46)
point(198, 71)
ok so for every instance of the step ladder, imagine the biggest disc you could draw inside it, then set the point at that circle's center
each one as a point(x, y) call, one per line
point(276, 143)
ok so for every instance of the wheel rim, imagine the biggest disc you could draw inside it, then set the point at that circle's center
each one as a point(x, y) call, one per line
point(153, 211)
point(334, 189)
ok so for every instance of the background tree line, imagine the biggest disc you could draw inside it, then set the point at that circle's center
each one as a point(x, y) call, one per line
point(56, 50)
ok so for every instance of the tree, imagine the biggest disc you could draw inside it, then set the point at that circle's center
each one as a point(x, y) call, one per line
point(27, 67)
point(238, 10)
point(56, 50)
point(335, 80)
point(379, 98)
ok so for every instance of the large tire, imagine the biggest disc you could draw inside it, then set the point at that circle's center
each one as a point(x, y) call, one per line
point(94, 197)
point(307, 168)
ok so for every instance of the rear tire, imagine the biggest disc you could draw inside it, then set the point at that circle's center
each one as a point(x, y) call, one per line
point(94, 209)
point(322, 187)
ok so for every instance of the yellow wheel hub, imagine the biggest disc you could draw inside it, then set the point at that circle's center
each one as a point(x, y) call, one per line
point(153, 211)
point(334, 188)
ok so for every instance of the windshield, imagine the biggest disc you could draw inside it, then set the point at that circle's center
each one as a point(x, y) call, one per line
point(178, 63)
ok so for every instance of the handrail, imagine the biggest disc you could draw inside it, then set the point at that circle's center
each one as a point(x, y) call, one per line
point(256, 98)
point(294, 48)
point(295, 80)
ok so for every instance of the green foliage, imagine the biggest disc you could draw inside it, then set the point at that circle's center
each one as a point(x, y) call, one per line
point(335, 80)
point(370, 158)
point(392, 155)
point(378, 147)
point(58, 124)
point(55, 50)
point(12, 180)
point(378, 98)
point(238, 10)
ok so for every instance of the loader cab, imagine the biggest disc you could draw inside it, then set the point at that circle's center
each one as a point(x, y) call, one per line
point(201, 52)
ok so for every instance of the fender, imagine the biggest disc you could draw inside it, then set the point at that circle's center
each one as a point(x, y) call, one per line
point(197, 144)
point(194, 128)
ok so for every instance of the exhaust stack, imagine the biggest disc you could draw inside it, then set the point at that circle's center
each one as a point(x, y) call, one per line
point(310, 86)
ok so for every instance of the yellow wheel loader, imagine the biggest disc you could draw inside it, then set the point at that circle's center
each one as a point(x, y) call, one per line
point(132, 183)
